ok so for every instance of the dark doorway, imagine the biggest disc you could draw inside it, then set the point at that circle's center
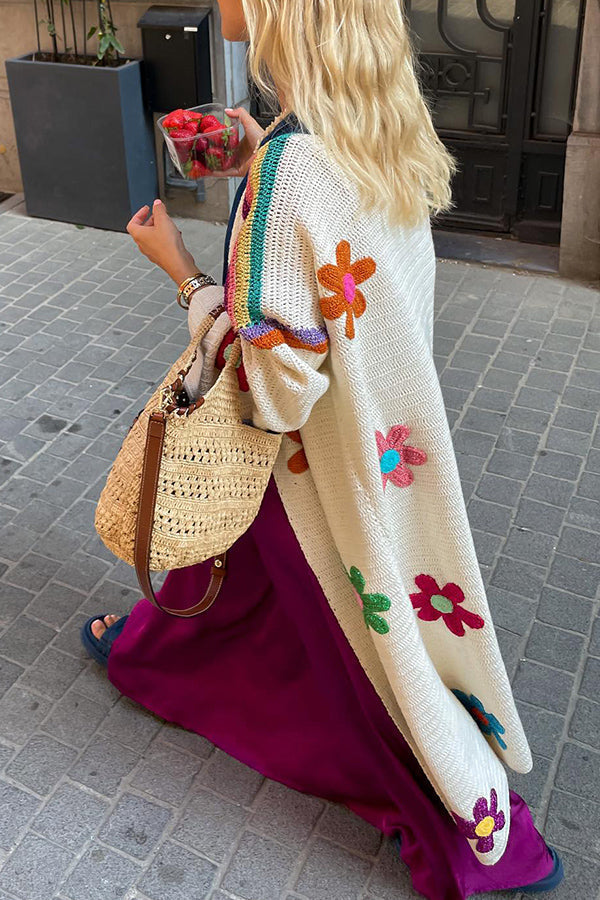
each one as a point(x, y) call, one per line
point(501, 78)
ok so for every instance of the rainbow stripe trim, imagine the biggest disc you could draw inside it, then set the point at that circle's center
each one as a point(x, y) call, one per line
point(243, 287)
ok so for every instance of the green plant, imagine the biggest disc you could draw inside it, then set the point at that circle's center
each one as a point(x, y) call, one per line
point(108, 48)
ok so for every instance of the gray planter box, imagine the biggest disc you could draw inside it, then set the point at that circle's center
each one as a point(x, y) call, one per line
point(85, 141)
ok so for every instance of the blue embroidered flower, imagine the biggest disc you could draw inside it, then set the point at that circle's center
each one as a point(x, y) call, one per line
point(487, 722)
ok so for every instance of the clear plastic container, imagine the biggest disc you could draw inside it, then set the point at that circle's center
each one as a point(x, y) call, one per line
point(201, 154)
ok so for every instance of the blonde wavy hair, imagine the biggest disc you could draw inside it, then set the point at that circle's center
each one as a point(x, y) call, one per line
point(347, 69)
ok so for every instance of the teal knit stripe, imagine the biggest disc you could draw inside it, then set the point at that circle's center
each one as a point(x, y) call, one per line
point(262, 201)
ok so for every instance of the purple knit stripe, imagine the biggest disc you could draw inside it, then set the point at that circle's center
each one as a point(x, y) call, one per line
point(312, 336)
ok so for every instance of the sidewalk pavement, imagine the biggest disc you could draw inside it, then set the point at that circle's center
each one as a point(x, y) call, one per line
point(100, 800)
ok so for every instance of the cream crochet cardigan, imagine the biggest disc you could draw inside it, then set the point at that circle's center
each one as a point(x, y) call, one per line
point(335, 311)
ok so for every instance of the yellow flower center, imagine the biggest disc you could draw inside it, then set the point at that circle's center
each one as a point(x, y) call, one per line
point(485, 827)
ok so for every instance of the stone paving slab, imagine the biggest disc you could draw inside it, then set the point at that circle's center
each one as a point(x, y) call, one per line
point(100, 799)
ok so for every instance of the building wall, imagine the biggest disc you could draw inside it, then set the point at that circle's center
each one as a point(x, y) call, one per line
point(580, 233)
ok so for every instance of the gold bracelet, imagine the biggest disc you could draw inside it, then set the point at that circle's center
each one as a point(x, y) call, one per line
point(187, 281)
point(189, 285)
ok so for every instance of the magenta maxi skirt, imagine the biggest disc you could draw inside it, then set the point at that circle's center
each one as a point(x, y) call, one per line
point(268, 676)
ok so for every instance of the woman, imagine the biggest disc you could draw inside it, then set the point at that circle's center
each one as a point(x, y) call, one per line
point(351, 653)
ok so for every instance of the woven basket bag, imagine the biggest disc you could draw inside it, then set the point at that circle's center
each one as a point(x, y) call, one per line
point(189, 477)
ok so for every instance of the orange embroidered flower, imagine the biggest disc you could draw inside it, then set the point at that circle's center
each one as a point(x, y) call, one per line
point(343, 279)
point(297, 463)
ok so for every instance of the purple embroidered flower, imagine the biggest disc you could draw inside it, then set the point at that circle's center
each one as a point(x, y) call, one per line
point(487, 820)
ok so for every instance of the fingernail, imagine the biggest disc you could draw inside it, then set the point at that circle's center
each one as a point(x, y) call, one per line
point(157, 201)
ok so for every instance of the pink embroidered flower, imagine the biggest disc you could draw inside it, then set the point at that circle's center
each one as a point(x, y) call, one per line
point(434, 602)
point(395, 456)
point(487, 819)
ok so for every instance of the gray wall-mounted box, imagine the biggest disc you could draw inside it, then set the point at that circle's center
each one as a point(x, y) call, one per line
point(176, 52)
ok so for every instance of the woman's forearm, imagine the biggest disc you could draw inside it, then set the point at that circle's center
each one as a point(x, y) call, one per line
point(182, 268)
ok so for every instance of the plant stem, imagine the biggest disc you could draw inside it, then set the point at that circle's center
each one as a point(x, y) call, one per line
point(37, 26)
point(50, 8)
point(64, 25)
point(100, 24)
point(112, 27)
point(72, 11)
point(84, 30)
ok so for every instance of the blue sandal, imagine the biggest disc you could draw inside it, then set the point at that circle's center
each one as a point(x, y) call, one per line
point(99, 648)
point(548, 883)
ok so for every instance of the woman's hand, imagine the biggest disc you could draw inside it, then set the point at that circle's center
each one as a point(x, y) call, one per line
point(159, 239)
point(253, 133)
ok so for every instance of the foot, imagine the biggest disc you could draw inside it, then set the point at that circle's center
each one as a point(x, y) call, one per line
point(100, 625)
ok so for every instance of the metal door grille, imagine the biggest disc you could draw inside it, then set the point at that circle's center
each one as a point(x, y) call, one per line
point(511, 166)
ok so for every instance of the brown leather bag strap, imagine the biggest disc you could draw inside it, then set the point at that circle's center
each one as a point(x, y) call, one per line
point(143, 534)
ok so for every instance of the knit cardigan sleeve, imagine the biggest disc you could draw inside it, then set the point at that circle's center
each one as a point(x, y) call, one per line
point(272, 294)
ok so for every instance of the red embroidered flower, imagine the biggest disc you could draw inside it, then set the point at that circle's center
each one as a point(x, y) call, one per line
point(223, 355)
point(343, 279)
point(395, 456)
point(297, 463)
point(434, 602)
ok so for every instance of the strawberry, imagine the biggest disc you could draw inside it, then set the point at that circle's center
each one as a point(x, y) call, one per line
point(193, 124)
point(230, 138)
point(183, 140)
point(200, 146)
point(211, 123)
point(216, 159)
point(175, 119)
point(195, 170)
point(182, 118)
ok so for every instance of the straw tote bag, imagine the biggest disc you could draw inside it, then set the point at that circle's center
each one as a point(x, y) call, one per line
point(189, 477)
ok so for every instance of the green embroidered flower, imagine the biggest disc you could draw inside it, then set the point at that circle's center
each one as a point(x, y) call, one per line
point(371, 604)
